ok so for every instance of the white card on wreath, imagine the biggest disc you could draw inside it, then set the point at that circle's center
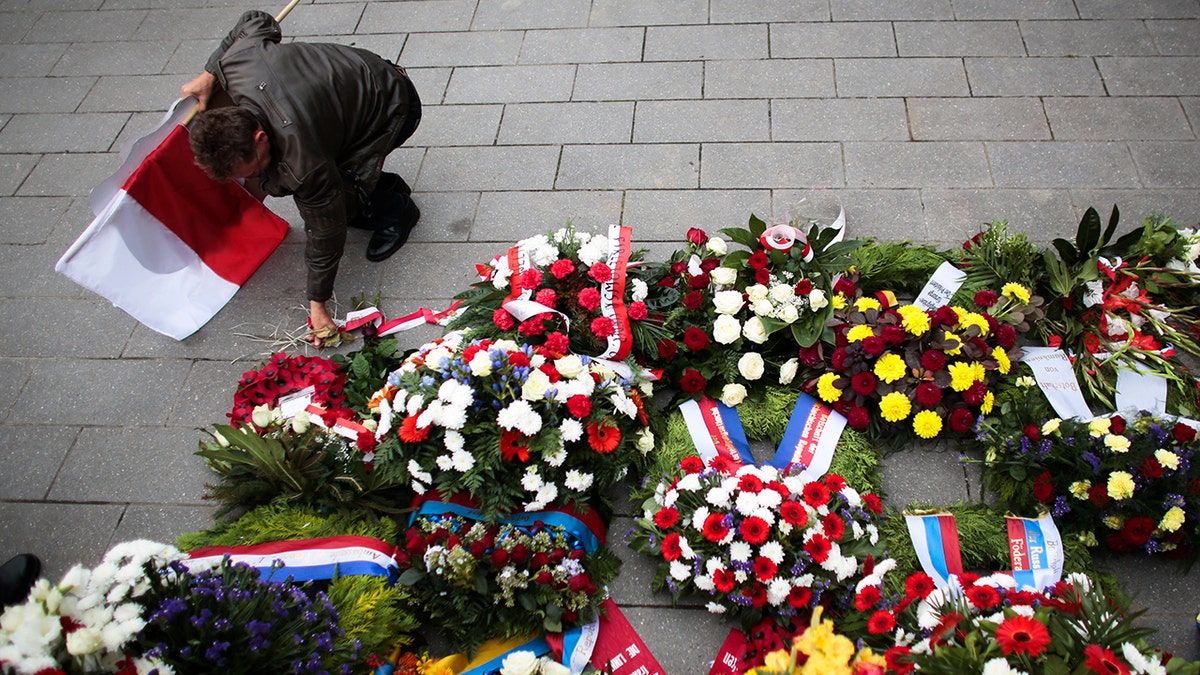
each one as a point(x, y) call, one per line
point(942, 286)
point(1141, 391)
point(295, 402)
point(1056, 378)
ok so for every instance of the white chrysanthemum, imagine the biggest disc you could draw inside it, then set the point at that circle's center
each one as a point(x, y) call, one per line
point(1140, 662)
point(455, 393)
point(452, 417)
point(414, 470)
point(998, 580)
point(773, 551)
point(547, 493)
point(623, 404)
point(704, 583)
point(718, 497)
point(578, 481)
point(462, 461)
point(680, 571)
point(557, 458)
point(413, 405)
point(689, 483)
point(999, 666)
point(769, 499)
point(740, 551)
point(571, 430)
point(431, 415)
point(746, 503)
point(929, 610)
point(715, 608)
point(453, 441)
point(531, 481)
point(778, 590)
point(444, 462)
point(698, 517)
point(521, 416)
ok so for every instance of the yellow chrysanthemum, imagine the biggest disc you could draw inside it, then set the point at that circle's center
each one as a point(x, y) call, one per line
point(1113, 522)
point(863, 304)
point(1003, 363)
point(890, 367)
point(1172, 520)
point(1120, 485)
point(927, 424)
point(895, 406)
point(1080, 488)
point(914, 319)
point(826, 389)
point(962, 375)
point(1168, 459)
point(859, 332)
point(839, 301)
point(968, 319)
point(1016, 291)
point(957, 348)
point(989, 400)
point(1099, 426)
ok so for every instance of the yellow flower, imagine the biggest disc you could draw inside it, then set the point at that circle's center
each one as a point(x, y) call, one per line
point(1120, 485)
point(1026, 381)
point(1168, 459)
point(914, 319)
point(824, 665)
point(863, 304)
point(859, 332)
point(1118, 444)
point(1051, 426)
point(989, 400)
point(957, 348)
point(890, 367)
point(1003, 363)
point(895, 406)
point(1089, 539)
point(779, 661)
point(1172, 520)
point(927, 424)
point(870, 657)
point(967, 319)
point(1017, 291)
point(1113, 522)
point(826, 390)
point(1080, 488)
point(962, 376)
point(839, 301)
point(1099, 426)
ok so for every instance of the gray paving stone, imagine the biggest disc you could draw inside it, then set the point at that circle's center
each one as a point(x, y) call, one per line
point(417, 17)
point(85, 26)
point(69, 175)
point(1141, 118)
point(283, 276)
point(845, 119)
point(664, 215)
point(14, 25)
point(1016, 9)
point(885, 214)
point(14, 373)
point(191, 23)
point(638, 81)
point(875, 10)
point(685, 640)
point(29, 272)
point(622, 167)
point(558, 123)
point(1087, 38)
point(1148, 9)
point(61, 535)
point(1062, 164)
point(771, 165)
point(247, 330)
point(163, 524)
point(436, 270)
point(507, 15)
point(132, 93)
point(68, 228)
point(510, 84)
point(924, 475)
point(431, 83)
point(33, 60)
point(896, 77)
point(774, 11)
point(1150, 75)
point(711, 43)
point(387, 45)
point(75, 391)
point(965, 119)
point(1176, 37)
point(494, 48)
point(32, 456)
point(958, 38)
point(207, 394)
point(445, 216)
point(905, 165)
point(1191, 106)
point(190, 55)
point(125, 464)
point(45, 5)
point(1167, 165)
point(14, 169)
point(27, 220)
point(314, 21)
point(832, 40)
point(507, 217)
point(769, 78)
point(1043, 76)
point(457, 125)
point(647, 12)
point(696, 121)
point(583, 45)
point(116, 58)
point(489, 168)
point(1182, 205)
point(43, 95)
point(61, 132)
point(1044, 214)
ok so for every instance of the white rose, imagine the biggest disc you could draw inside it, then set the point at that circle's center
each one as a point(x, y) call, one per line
point(754, 330)
point(724, 276)
point(261, 416)
point(751, 365)
point(787, 313)
point(728, 302)
point(787, 372)
point(782, 293)
point(726, 329)
point(569, 366)
point(757, 292)
point(301, 422)
point(554, 668)
point(764, 308)
point(733, 394)
point(716, 246)
point(645, 441)
point(481, 364)
point(536, 386)
point(520, 663)
point(817, 299)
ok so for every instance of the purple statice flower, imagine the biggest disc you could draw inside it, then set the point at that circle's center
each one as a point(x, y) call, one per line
point(1061, 507)
point(1174, 500)
point(198, 620)
point(216, 652)
point(1091, 458)
point(167, 610)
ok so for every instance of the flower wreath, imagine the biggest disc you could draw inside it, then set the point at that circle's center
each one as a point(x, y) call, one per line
point(283, 375)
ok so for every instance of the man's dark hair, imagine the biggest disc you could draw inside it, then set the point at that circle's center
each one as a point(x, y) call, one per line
point(223, 138)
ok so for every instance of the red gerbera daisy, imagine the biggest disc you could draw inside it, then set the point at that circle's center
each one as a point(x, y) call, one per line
point(750, 483)
point(794, 512)
point(881, 621)
point(872, 501)
point(983, 597)
point(671, 550)
point(834, 526)
point(755, 530)
point(818, 548)
point(918, 585)
point(724, 580)
point(691, 464)
point(816, 494)
point(764, 569)
point(866, 598)
point(1023, 635)
point(1103, 661)
point(603, 438)
point(714, 528)
point(409, 433)
point(666, 517)
point(512, 446)
point(799, 597)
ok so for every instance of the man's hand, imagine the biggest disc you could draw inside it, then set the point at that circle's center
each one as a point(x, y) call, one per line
point(202, 87)
point(321, 325)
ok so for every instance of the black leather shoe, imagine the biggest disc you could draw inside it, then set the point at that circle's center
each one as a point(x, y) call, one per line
point(387, 241)
point(17, 576)
point(390, 182)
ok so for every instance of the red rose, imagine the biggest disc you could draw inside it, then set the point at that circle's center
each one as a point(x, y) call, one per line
point(1033, 433)
point(873, 345)
point(762, 276)
point(503, 320)
point(696, 236)
point(1098, 496)
point(699, 281)
point(758, 260)
point(637, 311)
point(562, 268)
point(579, 406)
point(1183, 433)
point(601, 272)
point(933, 360)
point(863, 383)
point(678, 268)
point(667, 349)
point(499, 558)
point(695, 339)
point(580, 583)
point(365, 441)
point(692, 381)
point(531, 279)
point(1043, 488)
point(693, 300)
point(858, 418)
point(1137, 530)
point(710, 264)
point(589, 298)
point(985, 298)
point(1116, 425)
point(804, 287)
point(961, 420)
point(1151, 468)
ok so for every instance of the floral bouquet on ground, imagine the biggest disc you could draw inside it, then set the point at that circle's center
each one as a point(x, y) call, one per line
point(588, 291)
point(1126, 484)
point(757, 541)
point(478, 581)
point(283, 375)
point(747, 318)
point(904, 372)
point(517, 427)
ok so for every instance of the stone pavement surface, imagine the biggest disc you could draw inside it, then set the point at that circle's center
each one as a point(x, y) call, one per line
point(923, 118)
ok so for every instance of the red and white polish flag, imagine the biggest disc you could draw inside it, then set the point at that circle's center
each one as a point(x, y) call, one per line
point(169, 245)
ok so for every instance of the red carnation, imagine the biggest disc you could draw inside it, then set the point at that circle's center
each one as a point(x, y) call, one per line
point(1183, 433)
point(602, 326)
point(858, 418)
point(695, 338)
point(818, 548)
point(557, 342)
point(804, 287)
point(562, 268)
point(755, 530)
point(532, 326)
point(1033, 432)
point(638, 311)
point(714, 528)
point(666, 517)
point(546, 296)
point(758, 260)
point(692, 381)
point(933, 360)
point(579, 406)
point(531, 279)
point(696, 236)
point(589, 298)
point(961, 420)
point(1151, 468)
point(985, 298)
point(667, 349)
point(601, 272)
point(1098, 496)
point(693, 299)
point(845, 286)
point(928, 394)
point(1006, 336)
point(503, 320)
point(518, 359)
point(365, 441)
point(671, 550)
point(880, 622)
